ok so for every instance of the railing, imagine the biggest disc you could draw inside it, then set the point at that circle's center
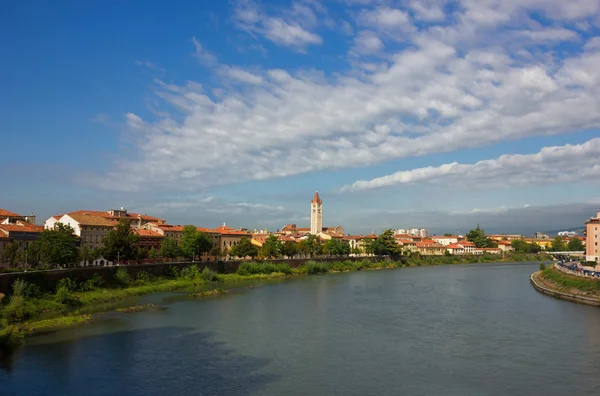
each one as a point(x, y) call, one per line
point(574, 268)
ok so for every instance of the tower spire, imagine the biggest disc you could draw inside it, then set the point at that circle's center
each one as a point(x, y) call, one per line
point(316, 199)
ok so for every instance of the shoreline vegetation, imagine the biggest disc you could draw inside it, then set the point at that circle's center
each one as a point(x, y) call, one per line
point(571, 287)
point(28, 310)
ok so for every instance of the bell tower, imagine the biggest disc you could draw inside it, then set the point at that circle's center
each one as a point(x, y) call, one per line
point(316, 214)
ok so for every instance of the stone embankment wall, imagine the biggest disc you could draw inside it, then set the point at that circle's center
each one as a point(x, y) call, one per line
point(46, 280)
point(535, 281)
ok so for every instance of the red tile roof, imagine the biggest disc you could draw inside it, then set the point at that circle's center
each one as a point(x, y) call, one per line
point(428, 243)
point(170, 228)
point(92, 220)
point(22, 227)
point(6, 213)
point(147, 233)
point(444, 237)
point(129, 216)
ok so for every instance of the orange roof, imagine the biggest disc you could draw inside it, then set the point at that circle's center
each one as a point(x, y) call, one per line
point(6, 213)
point(455, 246)
point(206, 230)
point(444, 237)
point(171, 228)
point(129, 216)
point(92, 220)
point(467, 244)
point(22, 227)
point(147, 233)
point(316, 199)
point(429, 243)
point(405, 241)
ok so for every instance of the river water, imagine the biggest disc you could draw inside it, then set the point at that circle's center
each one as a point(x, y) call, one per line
point(447, 330)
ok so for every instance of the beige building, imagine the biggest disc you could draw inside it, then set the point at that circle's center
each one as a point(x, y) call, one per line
point(428, 247)
point(20, 232)
point(90, 228)
point(446, 240)
point(316, 214)
point(592, 232)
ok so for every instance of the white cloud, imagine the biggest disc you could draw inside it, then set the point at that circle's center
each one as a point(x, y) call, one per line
point(202, 54)
point(290, 30)
point(450, 87)
point(427, 11)
point(551, 34)
point(367, 42)
point(562, 164)
point(134, 121)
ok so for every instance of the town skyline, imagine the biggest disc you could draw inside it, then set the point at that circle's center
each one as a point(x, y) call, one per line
point(404, 113)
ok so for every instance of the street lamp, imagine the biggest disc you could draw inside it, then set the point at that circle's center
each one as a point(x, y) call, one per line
point(118, 257)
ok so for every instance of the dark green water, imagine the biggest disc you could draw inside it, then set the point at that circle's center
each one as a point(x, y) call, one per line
point(450, 330)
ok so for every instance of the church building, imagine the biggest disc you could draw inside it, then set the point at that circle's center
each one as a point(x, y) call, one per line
point(316, 223)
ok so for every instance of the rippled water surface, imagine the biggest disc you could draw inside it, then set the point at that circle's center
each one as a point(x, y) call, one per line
point(449, 330)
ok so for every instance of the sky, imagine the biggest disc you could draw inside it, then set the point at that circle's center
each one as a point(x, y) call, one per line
point(401, 113)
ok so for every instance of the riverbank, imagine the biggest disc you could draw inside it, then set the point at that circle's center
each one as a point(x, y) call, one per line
point(555, 283)
point(28, 311)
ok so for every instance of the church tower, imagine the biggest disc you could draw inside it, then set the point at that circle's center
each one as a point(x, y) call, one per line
point(316, 215)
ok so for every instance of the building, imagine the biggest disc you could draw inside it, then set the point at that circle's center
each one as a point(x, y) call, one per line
point(20, 232)
point(592, 233)
point(137, 220)
point(568, 234)
point(91, 229)
point(504, 237)
point(7, 217)
point(539, 235)
point(446, 239)
point(316, 214)
point(505, 246)
point(428, 247)
point(419, 232)
point(359, 242)
point(229, 237)
point(316, 223)
point(462, 248)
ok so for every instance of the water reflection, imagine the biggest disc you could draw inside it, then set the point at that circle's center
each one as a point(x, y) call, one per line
point(165, 361)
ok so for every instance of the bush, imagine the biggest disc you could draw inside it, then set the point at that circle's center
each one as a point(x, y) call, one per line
point(542, 266)
point(64, 291)
point(143, 278)
point(93, 283)
point(208, 275)
point(313, 268)
point(15, 311)
point(262, 268)
point(190, 273)
point(10, 338)
point(19, 287)
point(122, 277)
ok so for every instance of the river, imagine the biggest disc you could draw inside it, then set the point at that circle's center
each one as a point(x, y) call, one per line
point(447, 330)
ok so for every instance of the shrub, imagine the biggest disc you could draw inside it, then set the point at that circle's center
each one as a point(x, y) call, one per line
point(122, 277)
point(64, 291)
point(190, 273)
point(313, 267)
point(542, 266)
point(15, 311)
point(93, 283)
point(209, 275)
point(10, 338)
point(262, 268)
point(19, 287)
point(143, 278)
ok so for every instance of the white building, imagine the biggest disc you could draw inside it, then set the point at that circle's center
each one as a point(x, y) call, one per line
point(316, 215)
point(418, 232)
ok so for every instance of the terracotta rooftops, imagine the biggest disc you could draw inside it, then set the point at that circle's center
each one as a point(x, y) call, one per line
point(444, 237)
point(148, 233)
point(21, 227)
point(429, 243)
point(129, 216)
point(6, 213)
point(92, 220)
point(316, 199)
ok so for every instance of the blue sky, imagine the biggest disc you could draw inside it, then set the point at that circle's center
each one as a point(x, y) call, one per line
point(402, 113)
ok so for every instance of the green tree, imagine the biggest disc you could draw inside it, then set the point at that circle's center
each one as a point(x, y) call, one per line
point(384, 245)
point(575, 245)
point(85, 254)
point(271, 248)
point(244, 248)
point(169, 248)
point(289, 248)
point(59, 245)
point(558, 245)
point(336, 247)
point(194, 243)
point(312, 245)
point(152, 253)
point(10, 253)
point(447, 234)
point(121, 242)
point(478, 237)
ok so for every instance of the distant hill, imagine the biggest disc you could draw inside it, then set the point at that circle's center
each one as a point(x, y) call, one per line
point(553, 233)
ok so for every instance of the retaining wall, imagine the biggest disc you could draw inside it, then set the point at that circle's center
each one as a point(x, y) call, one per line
point(562, 295)
point(46, 280)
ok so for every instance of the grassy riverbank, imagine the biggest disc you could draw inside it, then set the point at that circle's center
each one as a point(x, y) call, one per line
point(557, 280)
point(28, 310)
